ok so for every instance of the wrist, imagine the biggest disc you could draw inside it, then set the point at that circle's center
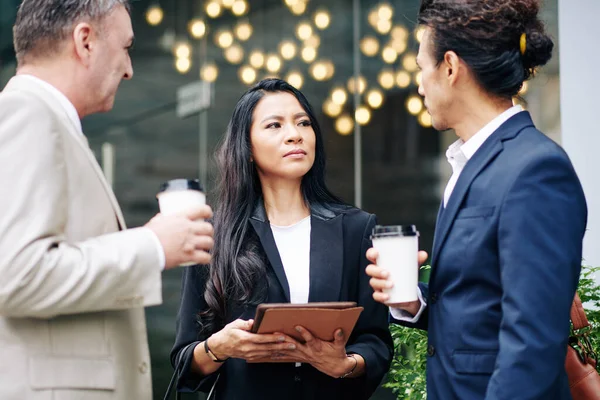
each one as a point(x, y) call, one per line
point(414, 308)
point(213, 350)
point(349, 366)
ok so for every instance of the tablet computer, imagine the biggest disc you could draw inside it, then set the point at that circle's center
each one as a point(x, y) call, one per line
point(321, 319)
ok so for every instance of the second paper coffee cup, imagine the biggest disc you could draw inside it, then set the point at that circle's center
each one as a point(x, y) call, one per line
point(180, 195)
point(398, 247)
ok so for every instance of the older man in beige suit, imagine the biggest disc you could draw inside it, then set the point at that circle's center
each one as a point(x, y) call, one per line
point(73, 281)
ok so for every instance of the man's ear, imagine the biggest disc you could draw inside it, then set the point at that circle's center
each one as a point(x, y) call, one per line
point(453, 67)
point(84, 45)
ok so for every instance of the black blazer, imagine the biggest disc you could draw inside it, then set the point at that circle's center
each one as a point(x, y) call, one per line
point(338, 243)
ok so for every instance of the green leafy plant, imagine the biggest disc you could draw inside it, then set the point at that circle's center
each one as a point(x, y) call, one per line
point(406, 377)
point(589, 292)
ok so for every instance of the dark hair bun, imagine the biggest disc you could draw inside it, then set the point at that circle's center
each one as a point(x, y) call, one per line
point(539, 49)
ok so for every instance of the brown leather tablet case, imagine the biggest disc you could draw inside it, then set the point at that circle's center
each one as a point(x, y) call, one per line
point(321, 319)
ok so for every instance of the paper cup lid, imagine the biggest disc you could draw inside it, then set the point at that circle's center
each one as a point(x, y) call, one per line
point(181, 184)
point(381, 231)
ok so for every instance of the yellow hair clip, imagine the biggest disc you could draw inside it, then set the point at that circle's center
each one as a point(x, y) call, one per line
point(523, 43)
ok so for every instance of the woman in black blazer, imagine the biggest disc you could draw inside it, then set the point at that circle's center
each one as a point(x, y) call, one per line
point(272, 166)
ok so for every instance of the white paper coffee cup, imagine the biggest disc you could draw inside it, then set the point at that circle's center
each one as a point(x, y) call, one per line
point(398, 248)
point(178, 196)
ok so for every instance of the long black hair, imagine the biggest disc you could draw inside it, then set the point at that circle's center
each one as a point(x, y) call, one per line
point(486, 34)
point(238, 264)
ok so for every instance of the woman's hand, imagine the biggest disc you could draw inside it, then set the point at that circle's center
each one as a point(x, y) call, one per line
point(328, 357)
point(235, 340)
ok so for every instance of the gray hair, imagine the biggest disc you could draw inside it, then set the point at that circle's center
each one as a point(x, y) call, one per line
point(42, 25)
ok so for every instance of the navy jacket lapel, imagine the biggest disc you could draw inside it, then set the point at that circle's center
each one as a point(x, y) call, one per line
point(482, 157)
point(326, 257)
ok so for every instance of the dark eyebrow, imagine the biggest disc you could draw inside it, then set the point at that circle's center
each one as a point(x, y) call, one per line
point(277, 117)
point(280, 118)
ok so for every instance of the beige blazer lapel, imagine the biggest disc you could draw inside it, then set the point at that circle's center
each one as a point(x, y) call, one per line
point(25, 85)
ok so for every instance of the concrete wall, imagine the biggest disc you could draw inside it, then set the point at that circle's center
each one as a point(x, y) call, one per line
point(579, 31)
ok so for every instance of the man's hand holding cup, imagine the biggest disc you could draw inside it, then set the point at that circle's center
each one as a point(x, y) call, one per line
point(181, 226)
point(395, 267)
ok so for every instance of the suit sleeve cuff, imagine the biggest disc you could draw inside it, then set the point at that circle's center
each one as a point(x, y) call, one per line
point(405, 316)
point(160, 251)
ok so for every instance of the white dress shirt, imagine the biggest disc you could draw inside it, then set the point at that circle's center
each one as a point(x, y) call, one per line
point(71, 112)
point(293, 245)
point(458, 154)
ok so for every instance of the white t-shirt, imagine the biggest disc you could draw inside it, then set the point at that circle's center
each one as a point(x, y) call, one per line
point(293, 244)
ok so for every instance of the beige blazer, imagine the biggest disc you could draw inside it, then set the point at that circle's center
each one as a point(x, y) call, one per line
point(72, 285)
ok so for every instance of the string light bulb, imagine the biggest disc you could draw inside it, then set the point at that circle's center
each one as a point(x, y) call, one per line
point(322, 19)
point(409, 62)
point(224, 39)
point(183, 65)
point(344, 125)
point(313, 41)
point(209, 72)
point(273, 63)
point(183, 50)
point(304, 31)
point(386, 79)
point(389, 55)
point(319, 71)
point(287, 49)
point(414, 104)
point(247, 74)
point(385, 12)
point(425, 119)
point(309, 54)
point(362, 85)
point(234, 54)
point(298, 8)
point(331, 109)
point(197, 28)
point(339, 96)
point(243, 31)
point(375, 98)
point(239, 7)
point(154, 15)
point(213, 9)
point(362, 115)
point(402, 79)
point(295, 79)
point(369, 46)
point(257, 59)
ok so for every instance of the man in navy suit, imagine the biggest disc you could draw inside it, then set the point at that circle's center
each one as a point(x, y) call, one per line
point(508, 241)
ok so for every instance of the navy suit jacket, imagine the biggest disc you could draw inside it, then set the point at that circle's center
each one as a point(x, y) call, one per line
point(505, 266)
point(339, 240)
